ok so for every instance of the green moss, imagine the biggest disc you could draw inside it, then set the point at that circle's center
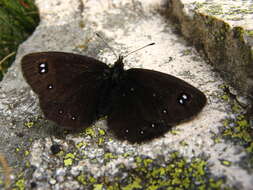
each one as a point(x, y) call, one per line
point(18, 19)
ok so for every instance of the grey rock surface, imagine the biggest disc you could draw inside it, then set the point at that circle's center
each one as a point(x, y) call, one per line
point(224, 30)
point(189, 157)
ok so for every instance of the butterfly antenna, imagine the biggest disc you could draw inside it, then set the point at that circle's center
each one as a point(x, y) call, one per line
point(98, 35)
point(153, 43)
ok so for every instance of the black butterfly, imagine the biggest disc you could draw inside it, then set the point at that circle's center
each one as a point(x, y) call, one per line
point(75, 90)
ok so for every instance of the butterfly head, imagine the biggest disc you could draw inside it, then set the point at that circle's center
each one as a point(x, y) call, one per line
point(119, 63)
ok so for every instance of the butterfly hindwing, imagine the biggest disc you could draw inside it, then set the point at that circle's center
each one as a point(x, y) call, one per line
point(148, 103)
point(67, 85)
point(79, 110)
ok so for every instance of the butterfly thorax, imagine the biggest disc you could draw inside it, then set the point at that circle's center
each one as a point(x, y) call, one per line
point(117, 70)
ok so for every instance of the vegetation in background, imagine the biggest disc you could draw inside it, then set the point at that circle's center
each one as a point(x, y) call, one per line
point(18, 19)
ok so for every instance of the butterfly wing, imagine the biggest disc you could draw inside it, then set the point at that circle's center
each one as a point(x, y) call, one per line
point(67, 85)
point(147, 104)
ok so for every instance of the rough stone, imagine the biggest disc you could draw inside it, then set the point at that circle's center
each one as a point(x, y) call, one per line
point(200, 153)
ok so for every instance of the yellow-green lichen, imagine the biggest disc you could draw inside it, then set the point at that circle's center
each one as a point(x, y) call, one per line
point(217, 140)
point(101, 141)
point(249, 32)
point(237, 128)
point(136, 184)
point(250, 147)
point(109, 156)
point(238, 32)
point(186, 52)
point(174, 131)
point(27, 164)
point(126, 154)
point(101, 132)
point(20, 184)
point(147, 162)
point(236, 108)
point(225, 162)
point(81, 145)
point(175, 173)
point(198, 5)
point(214, 9)
point(70, 155)
point(239, 131)
point(90, 131)
point(92, 180)
point(97, 186)
point(183, 143)
point(29, 124)
point(82, 179)
point(27, 153)
point(225, 97)
point(68, 162)
point(68, 159)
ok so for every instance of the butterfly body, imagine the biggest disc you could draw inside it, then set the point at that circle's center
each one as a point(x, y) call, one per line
point(141, 104)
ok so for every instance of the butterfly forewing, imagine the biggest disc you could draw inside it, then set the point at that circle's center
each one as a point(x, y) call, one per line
point(148, 103)
point(50, 74)
point(67, 85)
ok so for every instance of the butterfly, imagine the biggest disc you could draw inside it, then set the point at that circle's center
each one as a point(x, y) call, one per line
point(140, 104)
